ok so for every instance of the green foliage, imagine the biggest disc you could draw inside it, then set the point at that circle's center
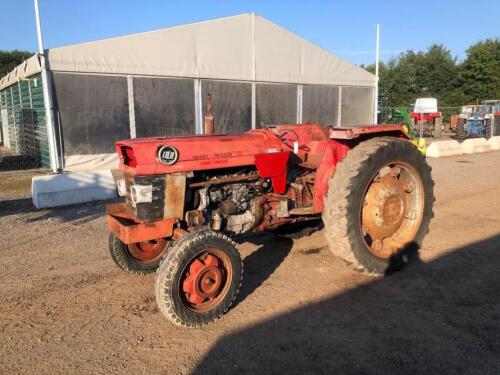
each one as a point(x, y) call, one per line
point(435, 73)
point(10, 59)
point(480, 73)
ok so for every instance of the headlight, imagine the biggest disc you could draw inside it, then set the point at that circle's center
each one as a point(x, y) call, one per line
point(122, 188)
point(141, 193)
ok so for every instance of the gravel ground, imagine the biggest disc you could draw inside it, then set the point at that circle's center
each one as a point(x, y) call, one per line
point(67, 309)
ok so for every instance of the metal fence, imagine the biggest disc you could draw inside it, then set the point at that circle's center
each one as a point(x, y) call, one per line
point(401, 115)
point(388, 114)
point(23, 131)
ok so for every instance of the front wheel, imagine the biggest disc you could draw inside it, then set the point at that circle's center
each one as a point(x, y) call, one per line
point(199, 278)
point(379, 204)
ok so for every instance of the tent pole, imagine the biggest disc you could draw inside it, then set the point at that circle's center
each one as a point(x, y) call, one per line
point(377, 58)
point(47, 97)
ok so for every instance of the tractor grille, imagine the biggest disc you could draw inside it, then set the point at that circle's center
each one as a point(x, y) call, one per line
point(148, 211)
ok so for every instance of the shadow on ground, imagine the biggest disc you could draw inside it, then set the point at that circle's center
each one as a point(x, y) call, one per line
point(79, 213)
point(437, 317)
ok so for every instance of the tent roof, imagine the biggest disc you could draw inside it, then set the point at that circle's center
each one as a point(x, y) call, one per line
point(246, 47)
point(27, 68)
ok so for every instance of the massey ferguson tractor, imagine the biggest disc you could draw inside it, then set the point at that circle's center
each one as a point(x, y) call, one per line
point(186, 197)
point(425, 115)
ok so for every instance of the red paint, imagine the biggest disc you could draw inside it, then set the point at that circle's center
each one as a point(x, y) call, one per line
point(129, 230)
point(273, 165)
point(129, 156)
point(427, 117)
point(270, 150)
point(334, 153)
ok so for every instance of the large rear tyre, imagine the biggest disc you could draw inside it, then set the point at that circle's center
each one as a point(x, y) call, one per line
point(198, 279)
point(142, 257)
point(379, 204)
point(413, 124)
point(487, 128)
point(460, 129)
point(438, 127)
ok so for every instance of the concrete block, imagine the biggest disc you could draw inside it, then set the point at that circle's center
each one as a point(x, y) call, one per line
point(439, 149)
point(71, 188)
point(96, 162)
point(475, 146)
point(494, 142)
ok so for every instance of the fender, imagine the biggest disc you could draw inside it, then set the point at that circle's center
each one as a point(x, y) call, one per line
point(341, 141)
point(335, 151)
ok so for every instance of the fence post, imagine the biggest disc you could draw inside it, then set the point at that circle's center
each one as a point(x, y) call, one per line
point(339, 109)
point(131, 106)
point(198, 106)
point(299, 104)
point(254, 108)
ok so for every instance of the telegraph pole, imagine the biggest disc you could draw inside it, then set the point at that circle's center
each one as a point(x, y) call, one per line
point(47, 97)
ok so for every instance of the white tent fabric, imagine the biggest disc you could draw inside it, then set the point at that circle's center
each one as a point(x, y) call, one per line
point(245, 47)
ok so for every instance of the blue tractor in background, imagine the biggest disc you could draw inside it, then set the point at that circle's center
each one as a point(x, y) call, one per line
point(474, 121)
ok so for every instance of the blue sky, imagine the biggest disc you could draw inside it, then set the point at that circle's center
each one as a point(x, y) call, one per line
point(346, 28)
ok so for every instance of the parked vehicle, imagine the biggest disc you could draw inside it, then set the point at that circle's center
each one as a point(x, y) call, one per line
point(186, 197)
point(465, 112)
point(493, 116)
point(474, 121)
point(425, 113)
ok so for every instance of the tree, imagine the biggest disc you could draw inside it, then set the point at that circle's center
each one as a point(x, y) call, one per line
point(439, 73)
point(480, 72)
point(10, 59)
point(435, 73)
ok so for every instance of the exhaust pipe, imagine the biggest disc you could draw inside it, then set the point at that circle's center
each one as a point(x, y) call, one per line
point(209, 117)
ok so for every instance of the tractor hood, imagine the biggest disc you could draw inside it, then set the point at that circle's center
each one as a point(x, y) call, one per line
point(161, 155)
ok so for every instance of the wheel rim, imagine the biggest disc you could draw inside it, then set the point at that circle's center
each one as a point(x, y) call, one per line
point(148, 251)
point(205, 280)
point(392, 209)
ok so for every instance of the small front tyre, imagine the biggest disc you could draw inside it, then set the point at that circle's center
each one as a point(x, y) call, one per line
point(198, 279)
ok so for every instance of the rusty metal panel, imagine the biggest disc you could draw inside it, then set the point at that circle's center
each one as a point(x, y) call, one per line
point(130, 232)
point(175, 191)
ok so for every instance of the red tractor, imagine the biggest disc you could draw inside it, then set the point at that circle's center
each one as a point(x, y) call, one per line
point(185, 197)
point(425, 114)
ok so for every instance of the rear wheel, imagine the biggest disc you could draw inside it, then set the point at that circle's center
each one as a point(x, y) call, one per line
point(142, 257)
point(199, 278)
point(413, 126)
point(438, 127)
point(487, 128)
point(379, 204)
point(460, 129)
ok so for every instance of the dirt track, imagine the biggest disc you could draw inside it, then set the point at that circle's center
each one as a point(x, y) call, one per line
point(66, 307)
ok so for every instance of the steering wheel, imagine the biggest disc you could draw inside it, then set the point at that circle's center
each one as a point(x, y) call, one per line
point(289, 137)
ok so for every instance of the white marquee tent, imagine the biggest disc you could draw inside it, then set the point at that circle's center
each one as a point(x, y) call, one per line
point(155, 83)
